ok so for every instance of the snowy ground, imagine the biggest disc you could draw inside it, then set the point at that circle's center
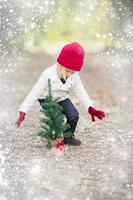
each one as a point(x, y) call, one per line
point(100, 169)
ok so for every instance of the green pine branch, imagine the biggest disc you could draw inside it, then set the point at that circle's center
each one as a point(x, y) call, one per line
point(52, 124)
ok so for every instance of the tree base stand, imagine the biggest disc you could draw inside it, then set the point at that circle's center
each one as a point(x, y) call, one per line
point(58, 143)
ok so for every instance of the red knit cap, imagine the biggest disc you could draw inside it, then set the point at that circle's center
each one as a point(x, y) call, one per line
point(71, 56)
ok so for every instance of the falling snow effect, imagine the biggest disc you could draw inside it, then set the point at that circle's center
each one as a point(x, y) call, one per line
point(102, 168)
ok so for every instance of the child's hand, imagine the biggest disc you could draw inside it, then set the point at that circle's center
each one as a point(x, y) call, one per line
point(20, 119)
point(96, 113)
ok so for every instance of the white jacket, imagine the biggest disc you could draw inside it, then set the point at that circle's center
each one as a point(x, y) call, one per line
point(60, 90)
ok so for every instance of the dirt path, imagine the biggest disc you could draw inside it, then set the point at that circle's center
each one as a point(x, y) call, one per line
point(101, 169)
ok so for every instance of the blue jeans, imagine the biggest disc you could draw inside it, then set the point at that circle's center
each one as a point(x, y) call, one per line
point(70, 112)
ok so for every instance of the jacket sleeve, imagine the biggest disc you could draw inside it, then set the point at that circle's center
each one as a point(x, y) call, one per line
point(34, 93)
point(81, 93)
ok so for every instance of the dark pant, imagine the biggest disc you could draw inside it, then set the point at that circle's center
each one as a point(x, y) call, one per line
point(70, 112)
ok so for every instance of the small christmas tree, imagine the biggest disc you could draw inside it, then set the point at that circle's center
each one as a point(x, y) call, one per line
point(53, 126)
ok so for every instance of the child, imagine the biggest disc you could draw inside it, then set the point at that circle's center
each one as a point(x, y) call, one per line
point(64, 74)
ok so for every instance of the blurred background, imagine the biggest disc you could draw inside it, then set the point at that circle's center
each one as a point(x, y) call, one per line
point(32, 33)
point(35, 26)
point(32, 30)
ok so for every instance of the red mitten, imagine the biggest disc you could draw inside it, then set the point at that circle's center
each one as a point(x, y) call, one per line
point(95, 113)
point(20, 118)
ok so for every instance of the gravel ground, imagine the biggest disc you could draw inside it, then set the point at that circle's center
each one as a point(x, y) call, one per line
point(100, 169)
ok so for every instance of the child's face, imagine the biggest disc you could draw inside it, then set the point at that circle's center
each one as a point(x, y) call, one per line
point(65, 72)
point(69, 72)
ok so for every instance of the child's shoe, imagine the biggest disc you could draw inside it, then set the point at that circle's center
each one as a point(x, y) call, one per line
point(72, 141)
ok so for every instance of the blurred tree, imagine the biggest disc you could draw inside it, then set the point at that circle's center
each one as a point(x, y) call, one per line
point(84, 21)
point(123, 12)
point(34, 25)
